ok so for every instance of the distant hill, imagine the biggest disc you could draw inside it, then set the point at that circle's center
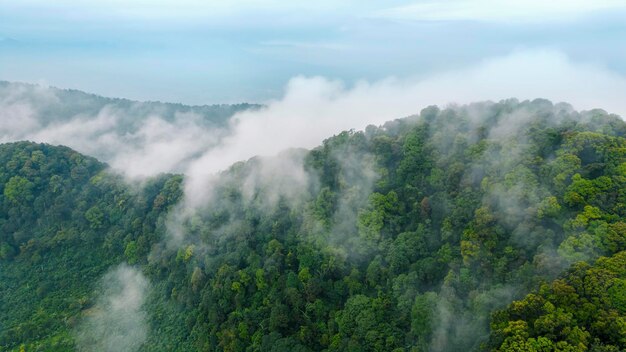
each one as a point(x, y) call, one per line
point(54, 104)
point(116, 131)
point(490, 226)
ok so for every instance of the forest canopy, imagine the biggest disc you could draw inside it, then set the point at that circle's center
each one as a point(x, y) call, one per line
point(489, 226)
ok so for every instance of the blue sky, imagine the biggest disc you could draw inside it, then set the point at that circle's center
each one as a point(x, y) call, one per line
point(211, 51)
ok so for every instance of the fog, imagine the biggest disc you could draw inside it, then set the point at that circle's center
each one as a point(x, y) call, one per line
point(117, 322)
point(140, 142)
point(311, 109)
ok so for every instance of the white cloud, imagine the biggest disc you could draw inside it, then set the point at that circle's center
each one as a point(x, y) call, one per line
point(163, 146)
point(311, 109)
point(117, 322)
point(314, 108)
point(499, 11)
point(154, 145)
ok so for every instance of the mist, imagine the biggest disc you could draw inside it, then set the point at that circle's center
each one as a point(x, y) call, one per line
point(370, 176)
point(311, 109)
point(137, 139)
point(117, 322)
point(141, 140)
point(314, 108)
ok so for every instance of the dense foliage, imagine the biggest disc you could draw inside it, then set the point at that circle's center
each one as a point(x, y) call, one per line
point(583, 311)
point(63, 222)
point(405, 237)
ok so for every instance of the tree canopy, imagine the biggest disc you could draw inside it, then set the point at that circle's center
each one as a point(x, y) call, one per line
point(491, 226)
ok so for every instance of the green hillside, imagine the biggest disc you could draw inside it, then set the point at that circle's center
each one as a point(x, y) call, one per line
point(491, 226)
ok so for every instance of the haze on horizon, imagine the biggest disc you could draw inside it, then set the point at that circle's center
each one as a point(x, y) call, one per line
point(319, 68)
point(203, 52)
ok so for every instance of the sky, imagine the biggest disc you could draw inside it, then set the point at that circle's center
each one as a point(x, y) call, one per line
point(209, 51)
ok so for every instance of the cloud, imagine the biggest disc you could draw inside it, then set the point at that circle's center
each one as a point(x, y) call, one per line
point(165, 146)
point(139, 139)
point(117, 322)
point(314, 108)
point(311, 109)
point(156, 146)
point(505, 11)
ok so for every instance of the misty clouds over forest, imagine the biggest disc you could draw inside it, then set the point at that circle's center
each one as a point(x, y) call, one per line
point(408, 177)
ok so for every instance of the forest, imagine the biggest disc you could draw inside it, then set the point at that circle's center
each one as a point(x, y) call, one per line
point(482, 227)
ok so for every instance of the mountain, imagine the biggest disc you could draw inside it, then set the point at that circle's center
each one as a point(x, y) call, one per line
point(490, 226)
point(118, 131)
point(54, 105)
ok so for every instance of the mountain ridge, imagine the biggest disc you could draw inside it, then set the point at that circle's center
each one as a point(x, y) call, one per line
point(32, 86)
point(405, 237)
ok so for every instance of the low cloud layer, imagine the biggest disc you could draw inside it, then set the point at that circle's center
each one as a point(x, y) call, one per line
point(311, 109)
point(314, 108)
point(139, 139)
point(117, 322)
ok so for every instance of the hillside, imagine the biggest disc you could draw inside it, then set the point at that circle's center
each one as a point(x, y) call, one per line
point(55, 105)
point(119, 131)
point(491, 226)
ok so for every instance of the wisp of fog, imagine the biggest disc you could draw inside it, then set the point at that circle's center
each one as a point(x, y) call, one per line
point(144, 142)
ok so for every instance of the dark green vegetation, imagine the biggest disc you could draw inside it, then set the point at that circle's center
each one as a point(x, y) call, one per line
point(582, 311)
point(416, 236)
point(63, 222)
